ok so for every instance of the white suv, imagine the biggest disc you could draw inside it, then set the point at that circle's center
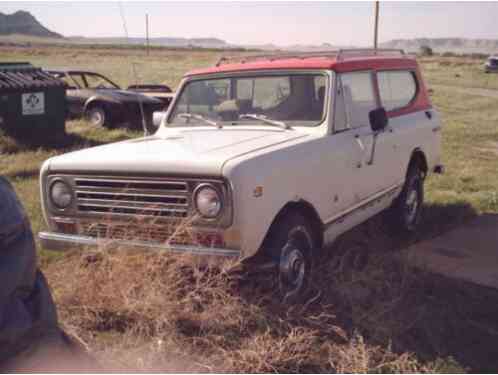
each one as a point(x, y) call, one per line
point(275, 154)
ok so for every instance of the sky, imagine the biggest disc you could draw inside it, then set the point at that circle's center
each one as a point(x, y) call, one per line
point(281, 23)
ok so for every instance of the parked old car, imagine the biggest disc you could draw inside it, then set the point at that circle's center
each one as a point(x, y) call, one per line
point(272, 155)
point(491, 65)
point(104, 103)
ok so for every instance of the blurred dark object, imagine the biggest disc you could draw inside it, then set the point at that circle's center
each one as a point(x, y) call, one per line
point(30, 337)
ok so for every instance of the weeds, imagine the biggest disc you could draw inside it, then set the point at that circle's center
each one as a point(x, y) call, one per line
point(171, 308)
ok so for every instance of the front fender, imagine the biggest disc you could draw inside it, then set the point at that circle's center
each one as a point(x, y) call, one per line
point(108, 102)
point(264, 184)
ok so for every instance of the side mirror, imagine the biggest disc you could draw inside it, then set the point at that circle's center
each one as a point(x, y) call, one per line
point(378, 119)
point(157, 118)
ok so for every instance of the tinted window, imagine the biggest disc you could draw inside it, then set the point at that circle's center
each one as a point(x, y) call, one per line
point(397, 89)
point(358, 97)
point(297, 99)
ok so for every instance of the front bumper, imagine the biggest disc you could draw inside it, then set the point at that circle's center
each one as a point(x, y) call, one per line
point(60, 241)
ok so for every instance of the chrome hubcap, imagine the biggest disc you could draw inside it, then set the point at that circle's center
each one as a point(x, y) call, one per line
point(96, 117)
point(292, 267)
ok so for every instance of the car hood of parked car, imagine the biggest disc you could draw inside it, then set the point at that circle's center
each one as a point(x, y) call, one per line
point(197, 151)
point(123, 96)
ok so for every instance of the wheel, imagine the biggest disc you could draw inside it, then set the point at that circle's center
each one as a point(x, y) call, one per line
point(96, 116)
point(407, 209)
point(291, 244)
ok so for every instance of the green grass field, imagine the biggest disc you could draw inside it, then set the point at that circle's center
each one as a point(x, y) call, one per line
point(469, 187)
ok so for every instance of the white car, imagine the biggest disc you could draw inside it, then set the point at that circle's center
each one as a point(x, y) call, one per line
point(491, 65)
point(276, 155)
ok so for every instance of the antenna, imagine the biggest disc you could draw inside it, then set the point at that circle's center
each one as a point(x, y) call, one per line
point(140, 103)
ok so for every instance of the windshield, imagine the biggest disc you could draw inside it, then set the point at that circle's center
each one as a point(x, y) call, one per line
point(294, 99)
point(96, 81)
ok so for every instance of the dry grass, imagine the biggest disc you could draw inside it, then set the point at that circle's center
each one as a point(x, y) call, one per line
point(157, 312)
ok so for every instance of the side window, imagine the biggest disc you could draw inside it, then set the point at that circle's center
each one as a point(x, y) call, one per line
point(79, 80)
point(397, 88)
point(359, 98)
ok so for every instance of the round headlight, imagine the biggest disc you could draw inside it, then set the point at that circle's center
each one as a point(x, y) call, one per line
point(208, 201)
point(61, 194)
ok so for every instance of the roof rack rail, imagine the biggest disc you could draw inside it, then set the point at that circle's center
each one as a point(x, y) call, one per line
point(339, 54)
point(370, 52)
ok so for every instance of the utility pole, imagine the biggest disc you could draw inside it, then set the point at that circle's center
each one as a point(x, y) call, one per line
point(376, 29)
point(147, 31)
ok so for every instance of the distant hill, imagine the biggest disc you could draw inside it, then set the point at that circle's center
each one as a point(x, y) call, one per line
point(24, 23)
point(458, 45)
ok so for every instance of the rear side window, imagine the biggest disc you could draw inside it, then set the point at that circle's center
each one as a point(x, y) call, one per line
point(397, 88)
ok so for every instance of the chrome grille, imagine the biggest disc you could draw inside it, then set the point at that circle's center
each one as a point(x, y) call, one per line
point(146, 197)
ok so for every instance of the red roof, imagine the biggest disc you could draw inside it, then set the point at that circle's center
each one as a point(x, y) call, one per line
point(327, 63)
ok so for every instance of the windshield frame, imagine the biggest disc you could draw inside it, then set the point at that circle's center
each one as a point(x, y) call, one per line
point(328, 74)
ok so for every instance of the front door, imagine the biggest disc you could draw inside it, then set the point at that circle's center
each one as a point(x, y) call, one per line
point(376, 154)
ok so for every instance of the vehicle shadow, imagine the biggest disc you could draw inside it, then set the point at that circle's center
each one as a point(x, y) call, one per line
point(365, 283)
point(375, 291)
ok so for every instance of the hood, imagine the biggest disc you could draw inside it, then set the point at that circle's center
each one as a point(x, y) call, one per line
point(126, 96)
point(186, 151)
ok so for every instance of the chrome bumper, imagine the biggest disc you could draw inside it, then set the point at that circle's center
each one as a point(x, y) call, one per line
point(60, 241)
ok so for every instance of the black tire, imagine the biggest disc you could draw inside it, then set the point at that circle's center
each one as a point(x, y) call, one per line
point(291, 244)
point(97, 116)
point(406, 212)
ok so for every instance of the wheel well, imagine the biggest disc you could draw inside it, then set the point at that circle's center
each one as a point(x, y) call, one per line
point(418, 158)
point(308, 211)
point(95, 102)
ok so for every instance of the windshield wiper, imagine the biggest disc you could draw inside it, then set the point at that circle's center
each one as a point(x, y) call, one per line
point(200, 118)
point(265, 119)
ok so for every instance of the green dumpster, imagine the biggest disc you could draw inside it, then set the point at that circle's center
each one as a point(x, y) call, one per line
point(32, 103)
